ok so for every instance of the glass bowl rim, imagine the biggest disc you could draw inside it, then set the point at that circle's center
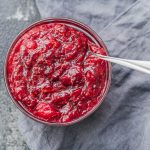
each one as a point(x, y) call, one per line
point(60, 20)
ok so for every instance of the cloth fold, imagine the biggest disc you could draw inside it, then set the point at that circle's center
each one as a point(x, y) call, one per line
point(122, 121)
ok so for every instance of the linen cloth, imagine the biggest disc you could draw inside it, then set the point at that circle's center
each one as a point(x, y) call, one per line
point(122, 122)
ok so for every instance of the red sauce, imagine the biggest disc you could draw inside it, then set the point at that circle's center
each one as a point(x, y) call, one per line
point(54, 75)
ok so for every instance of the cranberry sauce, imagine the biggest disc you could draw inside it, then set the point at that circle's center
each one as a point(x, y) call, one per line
point(53, 74)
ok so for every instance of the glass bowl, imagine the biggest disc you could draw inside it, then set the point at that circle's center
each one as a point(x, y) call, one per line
point(79, 26)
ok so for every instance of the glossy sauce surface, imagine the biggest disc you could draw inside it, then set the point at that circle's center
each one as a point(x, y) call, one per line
point(53, 74)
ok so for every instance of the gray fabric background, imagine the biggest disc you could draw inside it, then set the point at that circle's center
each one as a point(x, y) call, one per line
point(122, 121)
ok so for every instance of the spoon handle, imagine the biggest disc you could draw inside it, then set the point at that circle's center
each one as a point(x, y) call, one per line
point(143, 66)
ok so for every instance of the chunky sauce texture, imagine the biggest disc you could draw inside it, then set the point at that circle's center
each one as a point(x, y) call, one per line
point(53, 74)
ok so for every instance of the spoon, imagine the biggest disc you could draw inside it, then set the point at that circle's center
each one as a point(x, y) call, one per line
point(143, 66)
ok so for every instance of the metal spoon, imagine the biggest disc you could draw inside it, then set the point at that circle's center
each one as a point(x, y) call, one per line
point(143, 66)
